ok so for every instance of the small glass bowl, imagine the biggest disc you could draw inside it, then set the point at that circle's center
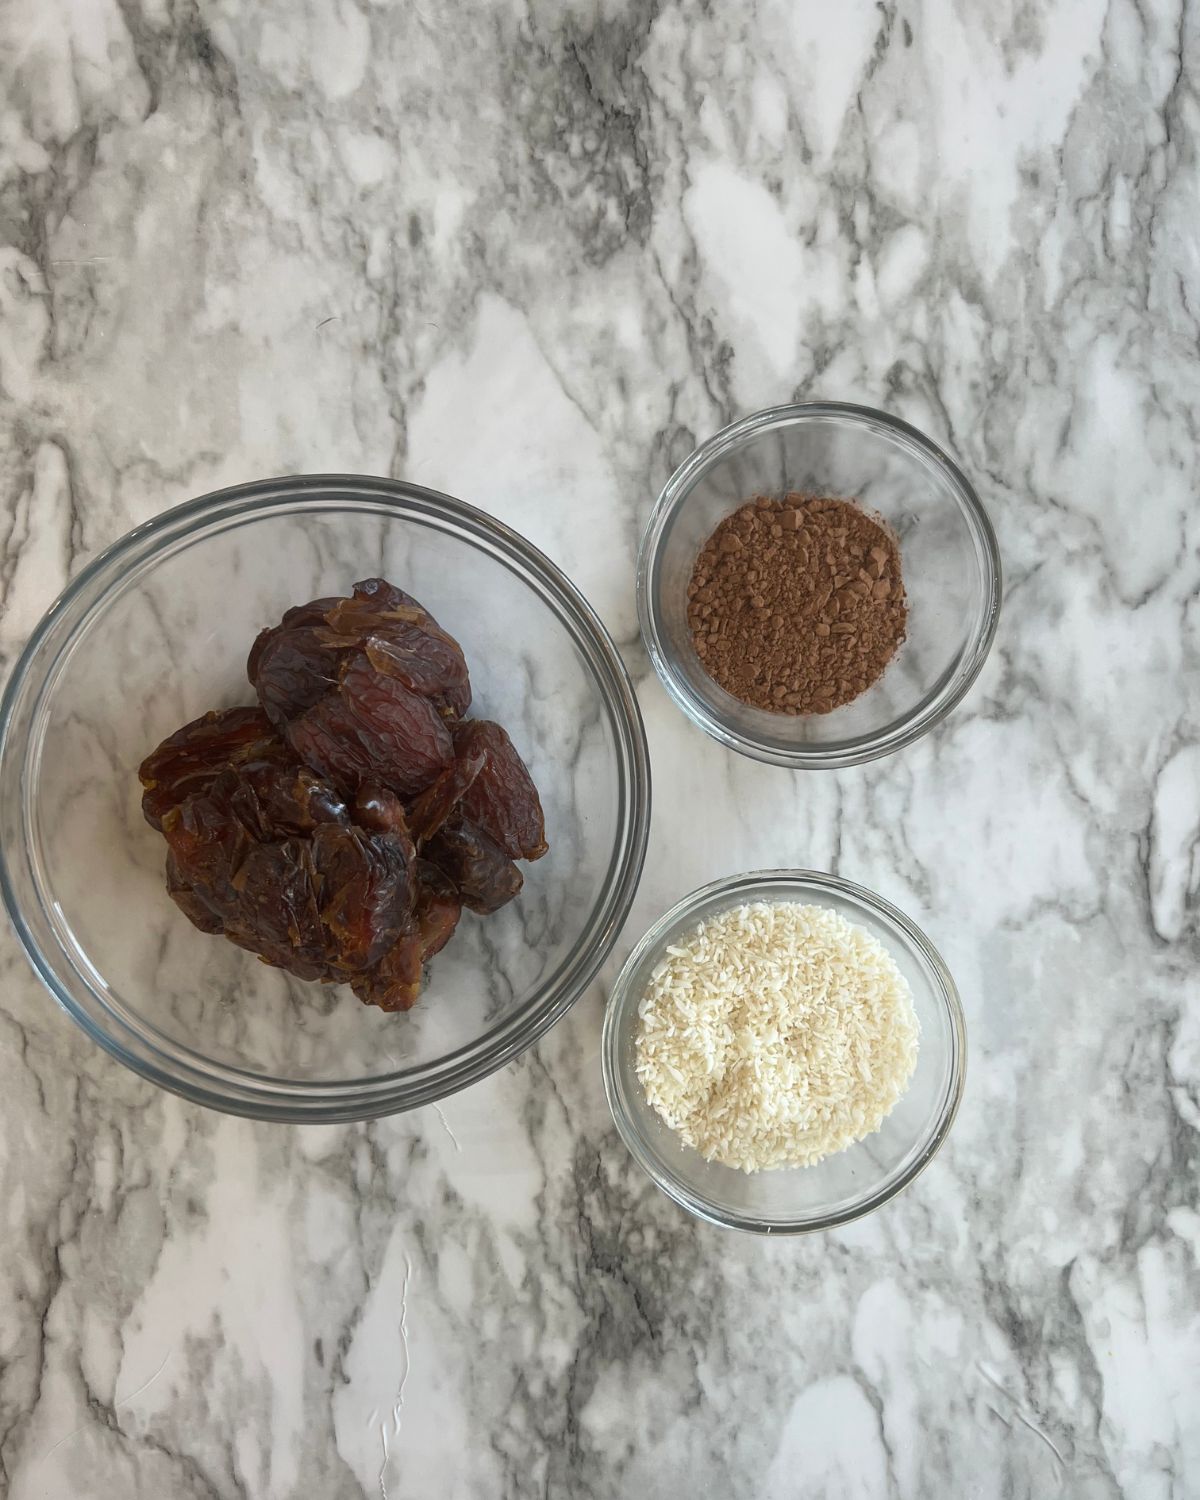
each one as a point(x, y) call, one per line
point(794, 1200)
point(156, 631)
point(949, 557)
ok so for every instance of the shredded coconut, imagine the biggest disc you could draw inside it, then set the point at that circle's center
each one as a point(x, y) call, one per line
point(775, 1034)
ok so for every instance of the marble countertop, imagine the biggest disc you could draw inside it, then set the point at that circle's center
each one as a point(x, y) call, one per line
point(532, 254)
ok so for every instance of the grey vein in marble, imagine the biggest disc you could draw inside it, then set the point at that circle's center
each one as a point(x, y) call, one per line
point(531, 253)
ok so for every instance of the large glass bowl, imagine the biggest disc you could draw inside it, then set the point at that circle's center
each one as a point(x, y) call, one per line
point(156, 631)
point(949, 559)
point(794, 1200)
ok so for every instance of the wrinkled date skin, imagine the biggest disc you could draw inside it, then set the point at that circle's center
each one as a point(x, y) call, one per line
point(302, 660)
point(189, 760)
point(372, 728)
point(485, 876)
point(502, 800)
point(338, 828)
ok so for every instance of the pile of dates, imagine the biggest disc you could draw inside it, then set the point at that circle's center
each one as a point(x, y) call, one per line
point(338, 828)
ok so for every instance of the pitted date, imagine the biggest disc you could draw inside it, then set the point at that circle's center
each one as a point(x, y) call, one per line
point(437, 802)
point(372, 729)
point(438, 908)
point(189, 760)
point(502, 800)
point(485, 876)
point(303, 660)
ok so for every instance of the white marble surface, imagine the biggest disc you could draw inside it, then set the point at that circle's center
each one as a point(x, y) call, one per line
point(532, 254)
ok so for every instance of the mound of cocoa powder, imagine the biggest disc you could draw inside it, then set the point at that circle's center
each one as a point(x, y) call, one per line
point(797, 605)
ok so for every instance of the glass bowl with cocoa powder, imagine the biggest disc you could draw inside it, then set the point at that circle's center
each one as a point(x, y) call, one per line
point(818, 585)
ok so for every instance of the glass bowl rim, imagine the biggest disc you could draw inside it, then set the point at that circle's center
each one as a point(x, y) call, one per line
point(103, 580)
point(748, 885)
point(935, 706)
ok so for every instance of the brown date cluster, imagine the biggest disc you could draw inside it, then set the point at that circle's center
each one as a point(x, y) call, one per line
point(338, 828)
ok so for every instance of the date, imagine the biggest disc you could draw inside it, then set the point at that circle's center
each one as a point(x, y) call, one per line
point(485, 876)
point(189, 760)
point(502, 800)
point(373, 730)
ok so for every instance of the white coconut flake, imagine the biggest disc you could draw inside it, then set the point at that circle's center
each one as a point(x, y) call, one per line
point(774, 1035)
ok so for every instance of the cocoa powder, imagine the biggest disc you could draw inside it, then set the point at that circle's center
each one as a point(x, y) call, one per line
point(797, 605)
